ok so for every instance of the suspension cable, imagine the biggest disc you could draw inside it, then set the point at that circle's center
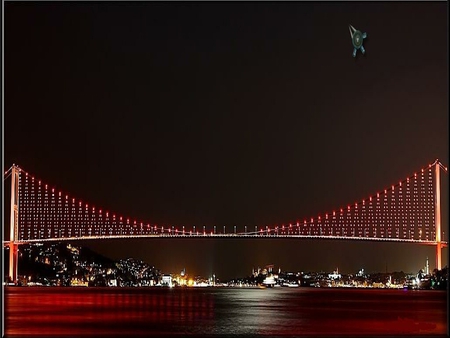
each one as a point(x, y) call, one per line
point(445, 169)
point(7, 173)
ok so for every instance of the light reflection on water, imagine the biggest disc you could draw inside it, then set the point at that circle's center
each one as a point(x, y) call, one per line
point(216, 311)
point(252, 311)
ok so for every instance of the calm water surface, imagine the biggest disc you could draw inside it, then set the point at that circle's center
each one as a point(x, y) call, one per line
point(41, 311)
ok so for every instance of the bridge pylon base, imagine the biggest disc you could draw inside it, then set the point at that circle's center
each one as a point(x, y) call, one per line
point(439, 247)
point(13, 262)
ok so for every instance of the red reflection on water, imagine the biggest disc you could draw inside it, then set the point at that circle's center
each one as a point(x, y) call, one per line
point(359, 312)
point(63, 311)
point(159, 312)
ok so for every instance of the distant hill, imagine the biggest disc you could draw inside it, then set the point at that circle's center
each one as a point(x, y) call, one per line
point(62, 263)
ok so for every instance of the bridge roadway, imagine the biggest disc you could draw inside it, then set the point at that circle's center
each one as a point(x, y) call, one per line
point(231, 235)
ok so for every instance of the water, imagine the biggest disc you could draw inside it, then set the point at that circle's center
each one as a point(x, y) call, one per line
point(46, 311)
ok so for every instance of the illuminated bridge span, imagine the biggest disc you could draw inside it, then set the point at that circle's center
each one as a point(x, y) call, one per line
point(408, 211)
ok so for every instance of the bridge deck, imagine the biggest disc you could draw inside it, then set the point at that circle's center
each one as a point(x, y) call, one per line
point(232, 235)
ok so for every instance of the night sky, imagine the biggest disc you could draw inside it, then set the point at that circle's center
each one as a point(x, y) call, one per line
point(229, 113)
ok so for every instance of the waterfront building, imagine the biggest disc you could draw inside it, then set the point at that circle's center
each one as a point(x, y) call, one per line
point(166, 280)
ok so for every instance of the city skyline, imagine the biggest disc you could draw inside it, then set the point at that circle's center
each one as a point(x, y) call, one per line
point(228, 113)
point(67, 258)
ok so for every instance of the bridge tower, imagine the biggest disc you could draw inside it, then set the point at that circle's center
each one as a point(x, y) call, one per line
point(14, 219)
point(437, 211)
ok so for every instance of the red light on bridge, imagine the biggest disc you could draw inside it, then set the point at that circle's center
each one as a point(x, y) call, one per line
point(39, 182)
point(120, 218)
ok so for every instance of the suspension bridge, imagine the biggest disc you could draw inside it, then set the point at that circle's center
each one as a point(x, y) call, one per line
point(407, 211)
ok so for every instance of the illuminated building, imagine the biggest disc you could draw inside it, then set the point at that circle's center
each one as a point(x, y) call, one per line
point(181, 279)
point(78, 282)
point(167, 280)
point(335, 274)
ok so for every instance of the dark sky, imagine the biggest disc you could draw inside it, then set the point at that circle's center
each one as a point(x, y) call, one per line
point(228, 113)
